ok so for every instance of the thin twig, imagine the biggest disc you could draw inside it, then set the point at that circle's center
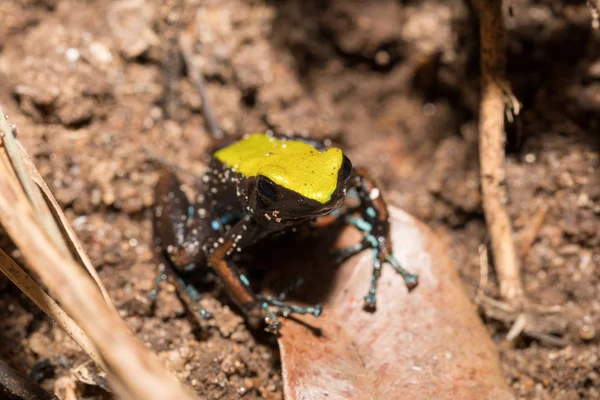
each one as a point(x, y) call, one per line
point(549, 339)
point(185, 43)
point(517, 328)
point(48, 306)
point(45, 206)
point(484, 266)
point(13, 386)
point(495, 95)
point(134, 371)
point(528, 235)
point(39, 206)
point(76, 249)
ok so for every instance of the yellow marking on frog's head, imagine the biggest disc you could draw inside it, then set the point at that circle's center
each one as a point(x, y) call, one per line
point(291, 164)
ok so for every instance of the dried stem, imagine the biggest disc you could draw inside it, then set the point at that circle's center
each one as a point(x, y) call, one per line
point(185, 43)
point(495, 93)
point(73, 243)
point(529, 233)
point(15, 387)
point(34, 196)
point(484, 272)
point(48, 306)
point(45, 206)
point(133, 371)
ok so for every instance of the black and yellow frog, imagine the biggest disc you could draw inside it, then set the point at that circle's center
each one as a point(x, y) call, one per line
point(259, 185)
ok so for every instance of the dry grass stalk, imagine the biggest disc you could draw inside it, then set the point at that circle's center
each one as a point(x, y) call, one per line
point(24, 167)
point(48, 306)
point(14, 386)
point(495, 95)
point(76, 250)
point(530, 232)
point(186, 46)
point(133, 371)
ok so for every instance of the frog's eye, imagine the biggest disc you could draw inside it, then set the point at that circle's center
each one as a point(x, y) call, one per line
point(346, 168)
point(266, 188)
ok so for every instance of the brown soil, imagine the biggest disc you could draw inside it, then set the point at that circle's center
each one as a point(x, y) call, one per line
point(94, 87)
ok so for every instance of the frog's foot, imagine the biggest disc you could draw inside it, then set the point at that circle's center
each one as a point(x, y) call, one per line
point(161, 276)
point(411, 280)
point(273, 308)
point(188, 293)
point(381, 254)
point(194, 298)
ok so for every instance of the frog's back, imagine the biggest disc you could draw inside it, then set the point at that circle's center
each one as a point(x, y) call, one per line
point(255, 149)
point(293, 164)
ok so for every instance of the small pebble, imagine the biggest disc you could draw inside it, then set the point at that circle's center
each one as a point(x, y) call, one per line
point(72, 54)
point(382, 58)
point(100, 53)
point(587, 332)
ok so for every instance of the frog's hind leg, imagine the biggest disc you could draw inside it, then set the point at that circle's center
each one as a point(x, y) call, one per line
point(373, 222)
point(187, 293)
point(178, 234)
point(242, 235)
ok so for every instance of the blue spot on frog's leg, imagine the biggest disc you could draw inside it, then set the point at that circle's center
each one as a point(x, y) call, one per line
point(189, 268)
point(244, 280)
point(371, 212)
point(217, 224)
point(359, 223)
point(228, 218)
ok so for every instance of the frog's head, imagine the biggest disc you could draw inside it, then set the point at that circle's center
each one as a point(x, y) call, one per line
point(295, 187)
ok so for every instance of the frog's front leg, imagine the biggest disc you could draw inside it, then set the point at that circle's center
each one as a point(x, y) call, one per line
point(243, 234)
point(376, 227)
point(177, 228)
point(178, 235)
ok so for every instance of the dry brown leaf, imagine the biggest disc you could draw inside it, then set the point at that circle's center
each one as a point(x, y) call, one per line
point(426, 344)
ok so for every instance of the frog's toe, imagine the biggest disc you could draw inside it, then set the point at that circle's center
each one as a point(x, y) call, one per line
point(273, 326)
point(370, 302)
point(152, 295)
point(161, 276)
point(204, 314)
point(411, 280)
point(318, 310)
point(274, 308)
